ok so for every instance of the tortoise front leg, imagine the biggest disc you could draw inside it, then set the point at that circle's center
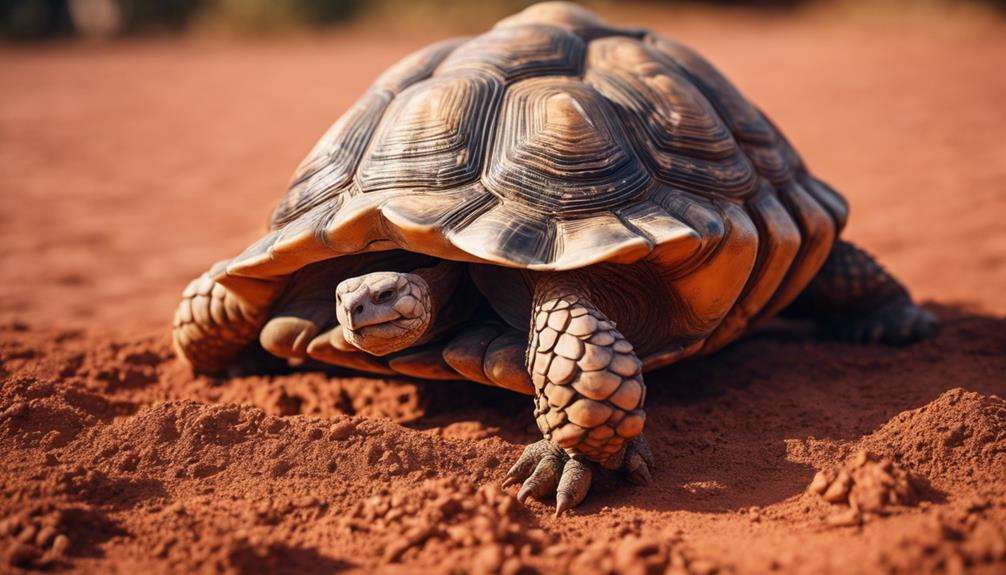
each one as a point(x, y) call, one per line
point(589, 397)
point(211, 325)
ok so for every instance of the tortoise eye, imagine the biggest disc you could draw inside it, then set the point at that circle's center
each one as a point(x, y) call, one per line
point(384, 296)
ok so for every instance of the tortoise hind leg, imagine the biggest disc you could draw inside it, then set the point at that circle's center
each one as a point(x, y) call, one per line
point(211, 325)
point(855, 299)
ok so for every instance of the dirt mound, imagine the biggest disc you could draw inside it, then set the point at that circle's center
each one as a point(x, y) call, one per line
point(958, 437)
point(230, 487)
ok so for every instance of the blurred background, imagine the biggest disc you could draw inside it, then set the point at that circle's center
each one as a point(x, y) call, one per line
point(42, 19)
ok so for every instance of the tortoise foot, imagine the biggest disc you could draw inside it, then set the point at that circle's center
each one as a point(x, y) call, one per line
point(855, 299)
point(211, 326)
point(638, 461)
point(544, 468)
point(899, 323)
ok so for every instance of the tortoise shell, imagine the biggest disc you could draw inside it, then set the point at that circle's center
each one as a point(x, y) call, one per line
point(555, 141)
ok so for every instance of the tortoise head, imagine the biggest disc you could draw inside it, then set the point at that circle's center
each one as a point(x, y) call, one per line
point(383, 312)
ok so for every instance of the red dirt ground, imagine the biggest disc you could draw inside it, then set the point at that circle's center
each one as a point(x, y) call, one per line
point(127, 169)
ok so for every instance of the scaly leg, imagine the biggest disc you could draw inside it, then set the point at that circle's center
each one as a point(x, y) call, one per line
point(589, 397)
point(211, 325)
point(855, 299)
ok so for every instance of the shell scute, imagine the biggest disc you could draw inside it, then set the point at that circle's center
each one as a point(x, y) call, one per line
point(417, 66)
point(779, 242)
point(558, 151)
point(507, 237)
point(836, 205)
point(746, 122)
point(432, 135)
point(661, 228)
point(570, 16)
point(676, 132)
point(517, 52)
point(658, 99)
point(817, 233)
point(331, 164)
point(583, 237)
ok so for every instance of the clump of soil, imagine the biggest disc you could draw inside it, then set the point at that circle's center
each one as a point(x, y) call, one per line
point(447, 522)
point(443, 518)
point(649, 555)
point(33, 542)
point(867, 484)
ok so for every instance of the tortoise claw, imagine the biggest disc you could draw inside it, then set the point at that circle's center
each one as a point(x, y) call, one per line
point(527, 462)
point(573, 485)
point(543, 479)
point(543, 468)
point(638, 461)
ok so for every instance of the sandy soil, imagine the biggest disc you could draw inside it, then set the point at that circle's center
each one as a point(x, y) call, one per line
point(126, 169)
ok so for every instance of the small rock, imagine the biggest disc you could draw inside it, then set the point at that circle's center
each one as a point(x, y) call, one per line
point(838, 491)
point(702, 567)
point(44, 536)
point(847, 518)
point(27, 534)
point(986, 543)
point(22, 555)
point(513, 566)
point(977, 503)
point(60, 545)
point(17, 409)
point(342, 430)
point(822, 479)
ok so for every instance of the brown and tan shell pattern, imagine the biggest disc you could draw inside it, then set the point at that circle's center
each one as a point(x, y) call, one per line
point(555, 141)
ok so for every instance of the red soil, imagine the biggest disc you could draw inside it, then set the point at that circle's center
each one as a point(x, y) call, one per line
point(125, 170)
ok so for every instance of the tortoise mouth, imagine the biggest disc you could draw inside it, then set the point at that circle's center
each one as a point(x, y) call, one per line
point(381, 338)
point(384, 330)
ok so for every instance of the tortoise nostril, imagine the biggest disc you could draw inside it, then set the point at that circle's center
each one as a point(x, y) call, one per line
point(358, 309)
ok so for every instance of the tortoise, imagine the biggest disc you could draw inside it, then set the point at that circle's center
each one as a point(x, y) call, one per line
point(554, 207)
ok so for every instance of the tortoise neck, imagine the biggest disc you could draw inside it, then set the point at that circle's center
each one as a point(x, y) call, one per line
point(450, 297)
